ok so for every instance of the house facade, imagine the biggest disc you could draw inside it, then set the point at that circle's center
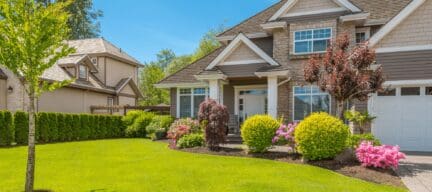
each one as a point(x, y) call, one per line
point(259, 67)
point(103, 75)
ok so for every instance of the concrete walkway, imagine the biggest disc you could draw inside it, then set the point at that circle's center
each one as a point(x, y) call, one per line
point(416, 172)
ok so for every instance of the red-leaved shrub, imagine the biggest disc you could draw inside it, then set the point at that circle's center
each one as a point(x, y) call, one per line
point(384, 156)
point(180, 128)
point(214, 118)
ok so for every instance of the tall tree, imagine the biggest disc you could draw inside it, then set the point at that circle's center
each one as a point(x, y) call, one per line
point(151, 74)
point(345, 73)
point(178, 63)
point(32, 40)
point(208, 43)
point(165, 57)
point(83, 18)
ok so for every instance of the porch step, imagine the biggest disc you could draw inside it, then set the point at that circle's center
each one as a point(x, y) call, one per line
point(234, 139)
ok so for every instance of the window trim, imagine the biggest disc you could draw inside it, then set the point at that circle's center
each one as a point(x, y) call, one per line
point(366, 31)
point(310, 94)
point(313, 39)
point(192, 94)
point(86, 72)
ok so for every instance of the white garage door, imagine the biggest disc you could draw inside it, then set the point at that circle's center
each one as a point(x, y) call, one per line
point(404, 117)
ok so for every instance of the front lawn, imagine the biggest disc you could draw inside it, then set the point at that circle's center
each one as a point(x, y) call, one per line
point(142, 165)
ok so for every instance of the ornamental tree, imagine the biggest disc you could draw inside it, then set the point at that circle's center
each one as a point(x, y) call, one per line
point(32, 39)
point(214, 118)
point(345, 72)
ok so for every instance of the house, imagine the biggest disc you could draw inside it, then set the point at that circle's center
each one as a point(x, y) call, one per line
point(103, 75)
point(259, 68)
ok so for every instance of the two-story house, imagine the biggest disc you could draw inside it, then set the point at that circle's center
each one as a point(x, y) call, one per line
point(103, 75)
point(259, 68)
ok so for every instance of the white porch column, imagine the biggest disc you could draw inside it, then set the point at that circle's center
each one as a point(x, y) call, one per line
point(214, 88)
point(272, 95)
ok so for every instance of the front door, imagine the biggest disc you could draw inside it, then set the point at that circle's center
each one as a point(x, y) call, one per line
point(252, 102)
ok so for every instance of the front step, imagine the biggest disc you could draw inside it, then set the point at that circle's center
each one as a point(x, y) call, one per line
point(234, 139)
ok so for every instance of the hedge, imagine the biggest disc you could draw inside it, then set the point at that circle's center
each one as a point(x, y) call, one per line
point(59, 127)
point(7, 131)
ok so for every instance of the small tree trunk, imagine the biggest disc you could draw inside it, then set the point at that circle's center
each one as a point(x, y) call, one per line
point(31, 146)
point(340, 109)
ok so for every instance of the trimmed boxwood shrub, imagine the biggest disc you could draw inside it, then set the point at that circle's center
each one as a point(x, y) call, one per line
point(61, 123)
point(7, 133)
point(85, 127)
point(321, 136)
point(21, 127)
point(76, 127)
point(258, 132)
point(190, 141)
point(53, 127)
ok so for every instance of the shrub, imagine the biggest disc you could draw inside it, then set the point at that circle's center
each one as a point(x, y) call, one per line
point(159, 134)
point(7, 133)
point(76, 127)
point(138, 128)
point(130, 117)
point(321, 136)
point(285, 136)
point(68, 127)
point(53, 127)
point(61, 126)
point(355, 140)
point(103, 126)
point(214, 118)
point(182, 127)
point(385, 156)
point(85, 128)
point(258, 131)
point(159, 124)
point(190, 141)
point(359, 118)
point(21, 127)
point(43, 127)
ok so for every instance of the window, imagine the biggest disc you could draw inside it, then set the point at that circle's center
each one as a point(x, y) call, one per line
point(309, 99)
point(312, 41)
point(82, 72)
point(360, 37)
point(189, 101)
point(428, 90)
point(409, 91)
point(110, 101)
point(387, 92)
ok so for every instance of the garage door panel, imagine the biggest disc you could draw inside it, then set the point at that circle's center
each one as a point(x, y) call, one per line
point(403, 120)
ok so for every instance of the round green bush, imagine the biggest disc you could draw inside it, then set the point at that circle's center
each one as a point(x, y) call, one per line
point(190, 141)
point(138, 128)
point(321, 136)
point(258, 131)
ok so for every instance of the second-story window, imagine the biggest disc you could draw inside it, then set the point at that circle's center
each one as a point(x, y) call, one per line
point(312, 40)
point(82, 73)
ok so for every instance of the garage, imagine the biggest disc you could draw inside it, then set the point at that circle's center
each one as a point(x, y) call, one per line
point(404, 117)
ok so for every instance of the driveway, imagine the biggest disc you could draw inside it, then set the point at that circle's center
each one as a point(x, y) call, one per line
point(416, 171)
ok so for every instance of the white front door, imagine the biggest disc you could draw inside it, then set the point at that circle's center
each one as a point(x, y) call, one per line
point(404, 118)
point(251, 102)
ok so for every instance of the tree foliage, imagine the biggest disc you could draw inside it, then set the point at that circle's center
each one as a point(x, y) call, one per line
point(214, 117)
point(32, 40)
point(151, 74)
point(345, 72)
point(83, 18)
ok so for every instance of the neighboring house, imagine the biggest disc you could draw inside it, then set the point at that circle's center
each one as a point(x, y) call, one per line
point(104, 75)
point(259, 68)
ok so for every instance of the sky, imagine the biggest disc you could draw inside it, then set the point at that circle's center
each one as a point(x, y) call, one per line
point(143, 27)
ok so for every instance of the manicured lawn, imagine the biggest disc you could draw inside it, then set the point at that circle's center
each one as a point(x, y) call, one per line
point(142, 165)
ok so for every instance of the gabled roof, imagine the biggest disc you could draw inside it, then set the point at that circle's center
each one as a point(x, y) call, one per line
point(128, 81)
point(395, 21)
point(290, 4)
point(74, 60)
point(101, 46)
point(380, 11)
point(241, 38)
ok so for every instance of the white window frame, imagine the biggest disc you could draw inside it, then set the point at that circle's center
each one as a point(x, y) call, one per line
point(79, 72)
point(366, 31)
point(311, 94)
point(192, 94)
point(313, 39)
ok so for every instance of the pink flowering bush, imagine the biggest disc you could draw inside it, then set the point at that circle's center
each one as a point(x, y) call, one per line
point(285, 136)
point(182, 127)
point(384, 156)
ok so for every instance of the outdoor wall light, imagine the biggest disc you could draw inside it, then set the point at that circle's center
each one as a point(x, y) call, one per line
point(10, 89)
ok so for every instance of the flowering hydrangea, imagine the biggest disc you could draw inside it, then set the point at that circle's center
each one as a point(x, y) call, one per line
point(285, 135)
point(384, 156)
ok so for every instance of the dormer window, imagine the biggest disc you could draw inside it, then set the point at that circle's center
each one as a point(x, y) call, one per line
point(312, 40)
point(82, 72)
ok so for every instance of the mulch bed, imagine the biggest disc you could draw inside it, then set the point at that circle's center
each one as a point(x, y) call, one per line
point(351, 169)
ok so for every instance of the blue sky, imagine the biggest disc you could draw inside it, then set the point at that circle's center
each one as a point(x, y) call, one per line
point(143, 27)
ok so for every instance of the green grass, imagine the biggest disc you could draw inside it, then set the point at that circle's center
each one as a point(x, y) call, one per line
point(142, 165)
